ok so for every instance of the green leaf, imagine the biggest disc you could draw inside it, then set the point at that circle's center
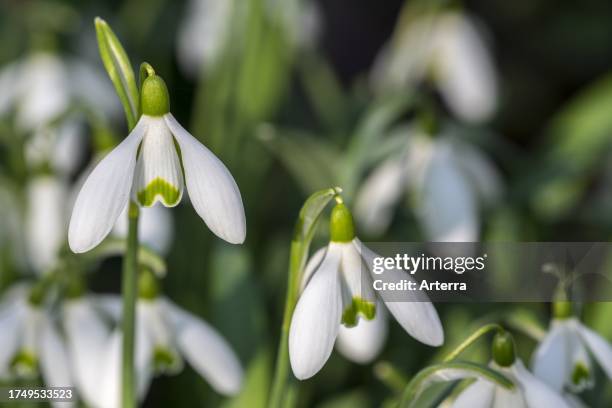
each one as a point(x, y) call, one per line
point(450, 371)
point(119, 69)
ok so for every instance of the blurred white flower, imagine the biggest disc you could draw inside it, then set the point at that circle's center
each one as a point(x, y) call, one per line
point(562, 358)
point(147, 164)
point(165, 334)
point(155, 227)
point(30, 344)
point(43, 86)
point(529, 392)
point(448, 49)
point(449, 178)
point(338, 290)
point(45, 221)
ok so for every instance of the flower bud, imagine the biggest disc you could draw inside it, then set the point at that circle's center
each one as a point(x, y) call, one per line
point(154, 97)
point(341, 226)
point(503, 349)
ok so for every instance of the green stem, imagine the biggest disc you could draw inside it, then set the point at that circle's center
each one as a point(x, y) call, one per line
point(129, 289)
point(279, 384)
point(471, 339)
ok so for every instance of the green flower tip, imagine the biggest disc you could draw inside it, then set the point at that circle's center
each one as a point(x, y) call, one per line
point(503, 349)
point(341, 226)
point(562, 309)
point(154, 97)
point(148, 287)
point(358, 307)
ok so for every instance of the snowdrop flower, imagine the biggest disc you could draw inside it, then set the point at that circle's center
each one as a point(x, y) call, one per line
point(449, 49)
point(46, 221)
point(165, 334)
point(147, 164)
point(42, 86)
point(30, 343)
point(339, 292)
point(562, 358)
point(529, 391)
point(449, 178)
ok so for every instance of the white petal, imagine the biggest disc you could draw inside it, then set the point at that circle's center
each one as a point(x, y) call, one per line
point(550, 359)
point(207, 352)
point(143, 353)
point(109, 393)
point(53, 357)
point(9, 338)
point(46, 222)
point(447, 210)
point(505, 398)
point(536, 393)
point(158, 170)
point(379, 194)
point(599, 346)
point(212, 189)
point(481, 171)
point(311, 266)
point(477, 395)
point(104, 194)
point(416, 315)
point(111, 305)
point(316, 318)
point(155, 227)
point(355, 275)
point(364, 342)
point(87, 338)
point(9, 84)
point(466, 76)
point(90, 85)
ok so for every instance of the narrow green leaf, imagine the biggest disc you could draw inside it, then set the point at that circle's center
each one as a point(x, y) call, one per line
point(119, 69)
point(450, 371)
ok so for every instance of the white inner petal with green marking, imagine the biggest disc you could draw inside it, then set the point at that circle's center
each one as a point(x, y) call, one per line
point(158, 170)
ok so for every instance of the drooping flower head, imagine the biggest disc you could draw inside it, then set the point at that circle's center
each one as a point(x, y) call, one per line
point(339, 291)
point(154, 164)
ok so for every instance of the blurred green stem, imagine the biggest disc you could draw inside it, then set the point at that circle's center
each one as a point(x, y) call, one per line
point(279, 385)
point(471, 339)
point(130, 276)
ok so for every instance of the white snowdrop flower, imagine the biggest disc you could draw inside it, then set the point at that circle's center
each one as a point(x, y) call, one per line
point(562, 358)
point(42, 86)
point(147, 164)
point(339, 291)
point(447, 48)
point(528, 392)
point(87, 337)
point(165, 334)
point(450, 179)
point(45, 221)
point(155, 227)
point(30, 344)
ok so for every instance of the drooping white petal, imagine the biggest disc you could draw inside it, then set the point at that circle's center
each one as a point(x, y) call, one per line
point(104, 194)
point(207, 352)
point(465, 73)
point(447, 206)
point(10, 322)
point(155, 227)
point(380, 192)
point(143, 351)
point(599, 346)
point(212, 189)
point(316, 318)
point(536, 392)
point(477, 395)
point(53, 356)
point(109, 392)
point(110, 305)
point(159, 177)
point(364, 342)
point(46, 222)
point(550, 359)
point(87, 336)
point(504, 398)
point(311, 266)
point(416, 314)
point(355, 275)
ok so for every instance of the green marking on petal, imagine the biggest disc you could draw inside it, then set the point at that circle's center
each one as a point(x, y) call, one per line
point(170, 194)
point(25, 364)
point(358, 306)
point(166, 361)
point(580, 374)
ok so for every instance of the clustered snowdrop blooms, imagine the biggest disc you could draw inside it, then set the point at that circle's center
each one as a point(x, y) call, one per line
point(338, 291)
point(451, 181)
point(529, 391)
point(165, 334)
point(30, 342)
point(562, 358)
point(446, 48)
point(146, 166)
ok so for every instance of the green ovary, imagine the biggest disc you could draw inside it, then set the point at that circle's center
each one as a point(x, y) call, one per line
point(358, 306)
point(158, 186)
